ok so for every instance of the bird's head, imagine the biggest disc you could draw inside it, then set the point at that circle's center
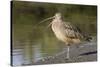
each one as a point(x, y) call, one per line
point(57, 16)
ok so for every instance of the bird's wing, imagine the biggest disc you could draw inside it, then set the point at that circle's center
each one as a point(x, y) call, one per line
point(72, 31)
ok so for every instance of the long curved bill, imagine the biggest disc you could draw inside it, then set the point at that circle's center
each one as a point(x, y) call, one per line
point(47, 19)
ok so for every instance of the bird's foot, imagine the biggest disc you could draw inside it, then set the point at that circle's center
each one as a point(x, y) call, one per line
point(68, 59)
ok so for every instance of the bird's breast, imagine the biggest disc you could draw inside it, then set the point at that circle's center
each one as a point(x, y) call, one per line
point(58, 31)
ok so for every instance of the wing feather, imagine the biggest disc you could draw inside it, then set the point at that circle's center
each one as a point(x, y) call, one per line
point(72, 31)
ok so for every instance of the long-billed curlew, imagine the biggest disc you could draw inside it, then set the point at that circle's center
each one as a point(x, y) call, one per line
point(66, 32)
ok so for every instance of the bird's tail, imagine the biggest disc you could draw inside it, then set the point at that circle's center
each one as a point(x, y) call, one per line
point(87, 37)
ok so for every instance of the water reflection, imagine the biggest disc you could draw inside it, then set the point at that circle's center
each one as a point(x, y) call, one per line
point(31, 53)
point(17, 57)
point(37, 55)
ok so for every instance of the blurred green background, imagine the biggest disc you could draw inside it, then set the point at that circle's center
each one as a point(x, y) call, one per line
point(36, 40)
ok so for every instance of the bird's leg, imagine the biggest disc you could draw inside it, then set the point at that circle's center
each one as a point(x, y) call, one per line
point(68, 49)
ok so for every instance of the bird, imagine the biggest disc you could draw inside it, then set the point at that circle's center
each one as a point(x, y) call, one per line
point(66, 32)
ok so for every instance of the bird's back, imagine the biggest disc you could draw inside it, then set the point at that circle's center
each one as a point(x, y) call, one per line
point(74, 32)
